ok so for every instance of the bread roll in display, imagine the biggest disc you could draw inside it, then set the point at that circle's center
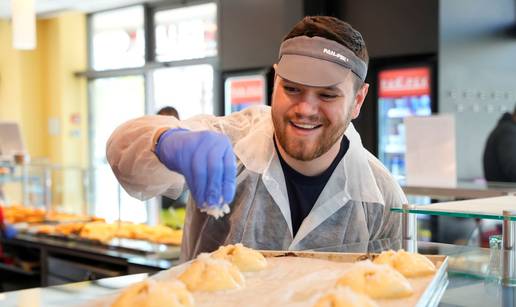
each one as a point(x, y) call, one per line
point(209, 274)
point(345, 297)
point(150, 293)
point(246, 259)
point(408, 264)
point(376, 280)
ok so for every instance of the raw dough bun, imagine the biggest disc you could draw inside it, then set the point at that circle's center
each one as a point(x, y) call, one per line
point(345, 297)
point(208, 274)
point(376, 280)
point(246, 259)
point(150, 293)
point(408, 264)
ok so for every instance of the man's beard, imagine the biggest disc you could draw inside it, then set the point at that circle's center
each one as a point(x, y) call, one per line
point(299, 148)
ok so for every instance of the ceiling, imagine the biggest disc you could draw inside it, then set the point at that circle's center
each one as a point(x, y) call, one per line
point(46, 8)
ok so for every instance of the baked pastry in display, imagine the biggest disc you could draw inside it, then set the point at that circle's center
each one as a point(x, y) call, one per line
point(98, 231)
point(150, 293)
point(408, 264)
point(376, 280)
point(209, 274)
point(45, 229)
point(21, 214)
point(69, 228)
point(246, 259)
point(345, 297)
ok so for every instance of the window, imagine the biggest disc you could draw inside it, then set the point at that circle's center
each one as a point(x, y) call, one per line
point(186, 33)
point(113, 101)
point(122, 86)
point(193, 89)
point(118, 39)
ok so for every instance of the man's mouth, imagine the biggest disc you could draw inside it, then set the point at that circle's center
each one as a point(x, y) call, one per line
point(305, 126)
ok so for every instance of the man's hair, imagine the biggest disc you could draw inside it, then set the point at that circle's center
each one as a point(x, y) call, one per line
point(334, 29)
point(171, 111)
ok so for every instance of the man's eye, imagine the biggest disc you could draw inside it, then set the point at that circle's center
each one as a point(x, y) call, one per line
point(290, 89)
point(328, 96)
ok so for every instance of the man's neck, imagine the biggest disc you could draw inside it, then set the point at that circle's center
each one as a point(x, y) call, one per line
point(313, 167)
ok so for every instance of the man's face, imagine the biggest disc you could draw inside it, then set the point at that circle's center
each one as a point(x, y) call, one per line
point(309, 120)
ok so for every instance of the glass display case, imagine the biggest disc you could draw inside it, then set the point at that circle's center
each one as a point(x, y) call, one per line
point(45, 186)
point(502, 247)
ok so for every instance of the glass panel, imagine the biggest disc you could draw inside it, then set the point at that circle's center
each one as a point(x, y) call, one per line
point(189, 89)
point(454, 214)
point(114, 101)
point(186, 33)
point(118, 39)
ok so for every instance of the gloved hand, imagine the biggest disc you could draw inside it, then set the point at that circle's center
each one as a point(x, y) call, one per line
point(205, 159)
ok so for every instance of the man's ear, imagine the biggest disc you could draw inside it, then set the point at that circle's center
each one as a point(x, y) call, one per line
point(359, 99)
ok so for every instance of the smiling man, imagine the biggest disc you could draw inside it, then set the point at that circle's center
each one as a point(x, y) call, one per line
point(295, 176)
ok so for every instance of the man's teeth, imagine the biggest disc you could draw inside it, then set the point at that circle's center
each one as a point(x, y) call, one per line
point(305, 126)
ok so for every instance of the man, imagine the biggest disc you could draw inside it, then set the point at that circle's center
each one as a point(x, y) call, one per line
point(168, 110)
point(296, 176)
point(500, 150)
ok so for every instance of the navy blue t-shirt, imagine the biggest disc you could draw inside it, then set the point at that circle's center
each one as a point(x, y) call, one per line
point(302, 190)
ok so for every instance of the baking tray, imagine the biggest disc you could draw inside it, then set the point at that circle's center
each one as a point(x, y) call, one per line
point(430, 296)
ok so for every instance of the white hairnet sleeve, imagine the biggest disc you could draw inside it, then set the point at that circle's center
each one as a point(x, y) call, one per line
point(129, 150)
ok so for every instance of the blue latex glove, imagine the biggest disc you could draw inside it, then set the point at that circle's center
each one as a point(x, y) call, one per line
point(205, 159)
point(9, 231)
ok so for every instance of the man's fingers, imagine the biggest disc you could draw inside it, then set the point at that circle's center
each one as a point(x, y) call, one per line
point(229, 176)
point(215, 170)
point(199, 165)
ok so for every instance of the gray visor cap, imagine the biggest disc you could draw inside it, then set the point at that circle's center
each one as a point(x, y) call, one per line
point(317, 61)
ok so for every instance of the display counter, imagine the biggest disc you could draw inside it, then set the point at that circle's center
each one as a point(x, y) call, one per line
point(472, 281)
point(463, 190)
point(58, 261)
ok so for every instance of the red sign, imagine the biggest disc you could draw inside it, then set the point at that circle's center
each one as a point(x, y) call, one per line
point(248, 91)
point(404, 82)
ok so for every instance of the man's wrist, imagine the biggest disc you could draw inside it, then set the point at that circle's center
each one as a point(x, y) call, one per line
point(156, 136)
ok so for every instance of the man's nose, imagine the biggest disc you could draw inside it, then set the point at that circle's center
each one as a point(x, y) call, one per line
point(308, 105)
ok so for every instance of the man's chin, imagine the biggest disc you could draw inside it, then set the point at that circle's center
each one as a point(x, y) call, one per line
point(302, 155)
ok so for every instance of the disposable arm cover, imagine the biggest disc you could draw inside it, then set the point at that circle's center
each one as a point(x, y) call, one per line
point(130, 149)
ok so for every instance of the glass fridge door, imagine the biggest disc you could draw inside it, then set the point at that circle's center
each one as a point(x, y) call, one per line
point(402, 92)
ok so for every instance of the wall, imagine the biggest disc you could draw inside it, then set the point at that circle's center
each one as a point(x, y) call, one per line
point(251, 31)
point(20, 91)
point(476, 72)
point(39, 86)
point(395, 27)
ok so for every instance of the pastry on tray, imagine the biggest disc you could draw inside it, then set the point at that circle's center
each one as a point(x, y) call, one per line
point(98, 231)
point(209, 274)
point(69, 228)
point(345, 297)
point(408, 264)
point(45, 229)
point(376, 280)
point(246, 259)
point(151, 293)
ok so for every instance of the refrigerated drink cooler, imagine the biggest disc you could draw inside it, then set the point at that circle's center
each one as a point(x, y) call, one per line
point(402, 92)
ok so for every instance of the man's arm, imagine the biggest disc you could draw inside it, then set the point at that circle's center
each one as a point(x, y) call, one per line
point(131, 149)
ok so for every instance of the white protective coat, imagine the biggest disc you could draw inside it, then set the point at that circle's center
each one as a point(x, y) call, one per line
point(354, 206)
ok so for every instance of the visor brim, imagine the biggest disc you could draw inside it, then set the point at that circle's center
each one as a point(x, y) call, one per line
point(311, 71)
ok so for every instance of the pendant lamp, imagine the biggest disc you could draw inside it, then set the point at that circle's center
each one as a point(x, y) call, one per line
point(24, 24)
